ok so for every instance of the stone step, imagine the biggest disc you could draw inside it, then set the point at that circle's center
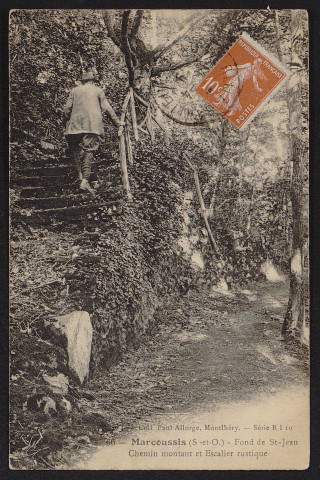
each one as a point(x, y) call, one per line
point(44, 181)
point(79, 208)
point(47, 171)
point(49, 191)
point(65, 181)
point(46, 203)
point(52, 161)
point(106, 191)
point(32, 192)
point(91, 213)
point(47, 160)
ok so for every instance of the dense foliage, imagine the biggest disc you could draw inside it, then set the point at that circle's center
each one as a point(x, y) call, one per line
point(123, 267)
point(48, 52)
point(136, 264)
point(245, 178)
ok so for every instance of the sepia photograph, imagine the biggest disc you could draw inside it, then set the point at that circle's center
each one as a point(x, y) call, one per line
point(159, 239)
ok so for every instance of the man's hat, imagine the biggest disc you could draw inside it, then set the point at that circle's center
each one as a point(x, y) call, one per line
point(87, 76)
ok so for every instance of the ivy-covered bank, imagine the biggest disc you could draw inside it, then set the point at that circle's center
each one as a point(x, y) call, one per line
point(134, 264)
point(119, 268)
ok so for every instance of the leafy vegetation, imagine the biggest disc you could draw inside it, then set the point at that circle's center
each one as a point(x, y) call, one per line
point(126, 266)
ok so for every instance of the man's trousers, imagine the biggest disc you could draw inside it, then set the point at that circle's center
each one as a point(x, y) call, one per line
point(82, 147)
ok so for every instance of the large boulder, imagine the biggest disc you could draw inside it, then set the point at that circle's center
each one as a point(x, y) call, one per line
point(74, 330)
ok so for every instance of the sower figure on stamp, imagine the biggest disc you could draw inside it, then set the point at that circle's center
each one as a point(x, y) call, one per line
point(84, 126)
point(229, 97)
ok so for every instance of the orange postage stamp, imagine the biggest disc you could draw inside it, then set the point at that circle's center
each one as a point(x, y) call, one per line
point(242, 81)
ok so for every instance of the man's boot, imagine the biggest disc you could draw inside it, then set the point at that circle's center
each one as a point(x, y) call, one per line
point(86, 186)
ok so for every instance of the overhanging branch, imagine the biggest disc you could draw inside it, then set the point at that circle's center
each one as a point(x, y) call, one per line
point(126, 46)
point(175, 66)
point(160, 50)
point(181, 122)
point(141, 100)
point(109, 25)
point(136, 24)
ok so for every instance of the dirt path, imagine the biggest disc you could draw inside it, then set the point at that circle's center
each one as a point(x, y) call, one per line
point(213, 353)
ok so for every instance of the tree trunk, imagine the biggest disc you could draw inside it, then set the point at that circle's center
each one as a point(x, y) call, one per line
point(295, 315)
point(294, 320)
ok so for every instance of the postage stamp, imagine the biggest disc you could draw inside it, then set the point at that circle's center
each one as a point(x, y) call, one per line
point(243, 81)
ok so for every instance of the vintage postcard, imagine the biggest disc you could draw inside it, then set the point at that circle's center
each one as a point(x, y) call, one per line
point(159, 240)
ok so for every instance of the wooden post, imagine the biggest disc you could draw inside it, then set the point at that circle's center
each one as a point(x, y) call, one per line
point(124, 170)
point(123, 158)
point(133, 115)
point(128, 143)
point(149, 125)
point(204, 211)
point(203, 207)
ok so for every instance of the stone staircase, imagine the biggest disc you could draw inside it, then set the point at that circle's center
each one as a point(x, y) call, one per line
point(49, 195)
